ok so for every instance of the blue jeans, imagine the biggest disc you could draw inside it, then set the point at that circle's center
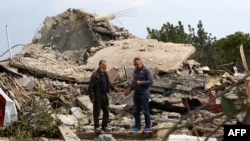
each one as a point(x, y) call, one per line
point(141, 102)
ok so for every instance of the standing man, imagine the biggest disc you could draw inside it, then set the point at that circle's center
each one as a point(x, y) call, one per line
point(142, 79)
point(99, 87)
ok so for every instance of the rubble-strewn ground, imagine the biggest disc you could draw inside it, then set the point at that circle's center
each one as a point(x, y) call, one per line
point(55, 68)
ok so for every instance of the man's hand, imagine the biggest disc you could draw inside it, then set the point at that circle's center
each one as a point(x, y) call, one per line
point(116, 90)
point(92, 100)
point(127, 93)
point(138, 82)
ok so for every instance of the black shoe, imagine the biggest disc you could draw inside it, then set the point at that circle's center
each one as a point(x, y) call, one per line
point(97, 130)
point(106, 129)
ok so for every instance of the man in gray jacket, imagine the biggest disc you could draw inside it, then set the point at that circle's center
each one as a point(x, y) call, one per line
point(142, 79)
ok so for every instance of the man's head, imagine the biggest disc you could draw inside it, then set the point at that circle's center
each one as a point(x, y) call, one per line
point(102, 65)
point(137, 63)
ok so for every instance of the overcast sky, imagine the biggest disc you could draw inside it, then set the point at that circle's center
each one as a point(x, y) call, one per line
point(219, 17)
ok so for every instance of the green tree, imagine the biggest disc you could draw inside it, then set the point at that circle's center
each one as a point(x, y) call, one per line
point(201, 40)
point(169, 33)
point(204, 42)
point(230, 48)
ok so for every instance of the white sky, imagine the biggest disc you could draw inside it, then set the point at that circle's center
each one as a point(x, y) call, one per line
point(219, 17)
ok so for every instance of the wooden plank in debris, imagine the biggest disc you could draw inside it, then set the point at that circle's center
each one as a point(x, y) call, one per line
point(16, 100)
point(113, 75)
point(214, 72)
point(243, 58)
point(17, 104)
point(247, 85)
point(68, 135)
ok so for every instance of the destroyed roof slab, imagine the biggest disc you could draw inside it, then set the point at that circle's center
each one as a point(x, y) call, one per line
point(63, 65)
point(156, 55)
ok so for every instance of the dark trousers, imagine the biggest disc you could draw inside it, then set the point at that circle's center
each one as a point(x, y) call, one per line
point(141, 102)
point(101, 103)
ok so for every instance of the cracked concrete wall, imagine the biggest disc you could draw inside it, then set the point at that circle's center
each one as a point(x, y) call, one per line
point(75, 29)
point(69, 30)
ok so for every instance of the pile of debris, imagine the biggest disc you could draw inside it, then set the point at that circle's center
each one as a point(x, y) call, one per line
point(55, 70)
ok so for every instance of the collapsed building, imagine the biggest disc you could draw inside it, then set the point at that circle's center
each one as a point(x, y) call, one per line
point(57, 65)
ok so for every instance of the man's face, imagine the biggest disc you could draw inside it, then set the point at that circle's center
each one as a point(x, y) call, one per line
point(137, 64)
point(103, 66)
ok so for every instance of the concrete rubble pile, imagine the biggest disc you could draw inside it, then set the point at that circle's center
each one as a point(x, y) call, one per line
point(67, 49)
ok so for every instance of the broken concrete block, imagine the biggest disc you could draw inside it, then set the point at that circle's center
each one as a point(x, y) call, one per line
point(162, 129)
point(26, 82)
point(106, 137)
point(77, 112)
point(82, 119)
point(83, 79)
point(43, 102)
point(85, 103)
point(183, 88)
point(118, 109)
point(214, 72)
point(69, 120)
point(212, 83)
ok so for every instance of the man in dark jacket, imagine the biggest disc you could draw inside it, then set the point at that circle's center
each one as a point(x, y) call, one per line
point(99, 87)
point(142, 79)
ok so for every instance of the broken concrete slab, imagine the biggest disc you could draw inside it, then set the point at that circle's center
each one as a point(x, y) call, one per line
point(5, 67)
point(69, 120)
point(84, 102)
point(183, 88)
point(26, 82)
point(77, 112)
point(106, 137)
point(156, 55)
point(53, 64)
point(161, 86)
point(118, 109)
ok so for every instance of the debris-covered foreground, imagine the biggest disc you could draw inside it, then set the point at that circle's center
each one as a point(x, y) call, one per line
point(47, 82)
